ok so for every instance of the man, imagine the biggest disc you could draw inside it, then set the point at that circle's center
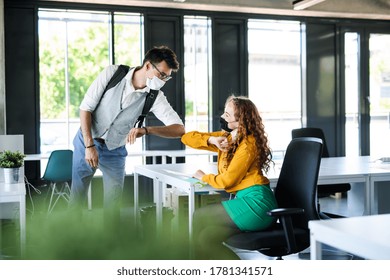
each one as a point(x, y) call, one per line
point(107, 124)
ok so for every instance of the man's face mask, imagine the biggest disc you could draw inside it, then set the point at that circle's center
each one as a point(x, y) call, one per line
point(154, 83)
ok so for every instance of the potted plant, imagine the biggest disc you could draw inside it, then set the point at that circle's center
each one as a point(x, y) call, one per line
point(11, 162)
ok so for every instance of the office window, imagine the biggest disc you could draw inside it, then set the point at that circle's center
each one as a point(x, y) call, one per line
point(128, 39)
point(379, 45)
point(197, 71)
point(197, 76)
point(274, 49)
point(74, 47)
point(351, 93)
point(378, 99)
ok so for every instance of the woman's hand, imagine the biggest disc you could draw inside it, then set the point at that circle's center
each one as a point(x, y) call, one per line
point(199, 174)
point(220, 142)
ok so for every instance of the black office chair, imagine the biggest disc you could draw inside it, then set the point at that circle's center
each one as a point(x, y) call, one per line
point(297, 201)
point(323, 190)
point(58, 174)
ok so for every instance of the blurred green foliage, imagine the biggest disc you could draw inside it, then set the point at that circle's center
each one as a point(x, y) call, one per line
point(90, 236)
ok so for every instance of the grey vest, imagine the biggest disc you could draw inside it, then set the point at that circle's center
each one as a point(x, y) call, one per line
point(111, 118)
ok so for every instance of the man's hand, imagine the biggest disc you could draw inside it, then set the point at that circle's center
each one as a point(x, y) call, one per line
point(135, 133)
point(91, 157)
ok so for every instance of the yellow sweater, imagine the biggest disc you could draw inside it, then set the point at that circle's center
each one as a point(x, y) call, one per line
point(241, 172)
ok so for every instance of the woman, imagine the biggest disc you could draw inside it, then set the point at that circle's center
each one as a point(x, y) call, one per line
point(243, 155)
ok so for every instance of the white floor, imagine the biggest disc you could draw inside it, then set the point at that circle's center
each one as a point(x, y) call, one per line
point(327, 254)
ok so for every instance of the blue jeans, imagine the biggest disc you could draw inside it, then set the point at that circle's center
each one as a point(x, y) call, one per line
point(112, 165)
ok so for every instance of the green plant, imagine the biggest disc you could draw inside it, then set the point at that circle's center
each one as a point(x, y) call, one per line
point(10, 159)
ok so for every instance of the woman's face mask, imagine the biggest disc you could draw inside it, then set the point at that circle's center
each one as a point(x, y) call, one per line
point(228, 115)
point(225, 125)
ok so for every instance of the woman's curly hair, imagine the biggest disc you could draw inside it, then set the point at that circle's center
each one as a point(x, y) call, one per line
point(250, 122)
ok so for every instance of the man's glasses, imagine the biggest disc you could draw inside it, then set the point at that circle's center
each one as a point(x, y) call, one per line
point(163, 76)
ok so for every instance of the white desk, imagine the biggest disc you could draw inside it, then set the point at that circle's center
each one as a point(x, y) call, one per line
point(13, 193)
point(165, 154)
point(154, 154)
point(363, 169)
point(16, 193)
point(174, 154)
point(36, 157)
point(332, 170)
point(174, 175)
point(366, 236)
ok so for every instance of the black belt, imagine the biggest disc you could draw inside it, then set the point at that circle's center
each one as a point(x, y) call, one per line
point(100, 140)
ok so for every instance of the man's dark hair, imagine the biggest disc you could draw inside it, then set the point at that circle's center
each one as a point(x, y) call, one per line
point(162, 53)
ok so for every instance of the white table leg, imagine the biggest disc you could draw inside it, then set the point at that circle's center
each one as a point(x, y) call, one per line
point(159, 205)
point(315, 248)
point(136, 200)
point(191, 210)
point(22, 216)
point(90, 196)
point(369, 194)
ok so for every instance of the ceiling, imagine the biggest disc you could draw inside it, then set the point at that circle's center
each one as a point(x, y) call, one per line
point(364, 9)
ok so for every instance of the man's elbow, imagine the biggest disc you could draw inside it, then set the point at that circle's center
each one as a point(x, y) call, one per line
point(180, 130)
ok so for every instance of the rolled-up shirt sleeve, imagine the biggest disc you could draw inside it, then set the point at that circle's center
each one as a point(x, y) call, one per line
point(164, 111)
point(95, 90)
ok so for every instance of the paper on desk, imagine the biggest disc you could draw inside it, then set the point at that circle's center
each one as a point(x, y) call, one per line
point(382, 163)
point(385, 159)
point(385, 165)
point(189, 178)
point(178, 173)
